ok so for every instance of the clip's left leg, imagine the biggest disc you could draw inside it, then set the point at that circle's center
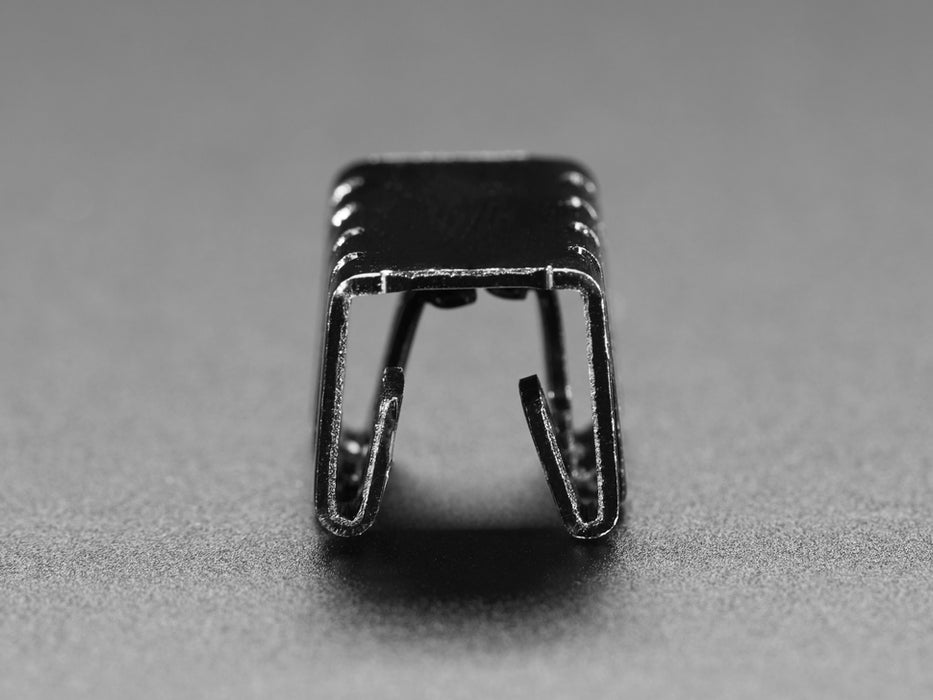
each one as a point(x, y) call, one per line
point(352, 469)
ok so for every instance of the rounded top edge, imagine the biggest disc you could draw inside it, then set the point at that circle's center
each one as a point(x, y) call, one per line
point(357, 167)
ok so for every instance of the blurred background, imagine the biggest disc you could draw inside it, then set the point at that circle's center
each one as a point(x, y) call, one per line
point(765, 175)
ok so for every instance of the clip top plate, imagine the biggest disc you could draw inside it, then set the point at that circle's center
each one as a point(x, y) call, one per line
point(448, 215)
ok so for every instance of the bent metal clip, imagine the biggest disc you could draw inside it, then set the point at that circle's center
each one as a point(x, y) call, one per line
point(434, 230)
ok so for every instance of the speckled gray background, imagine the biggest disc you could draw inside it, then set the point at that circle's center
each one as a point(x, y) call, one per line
point(767, 178)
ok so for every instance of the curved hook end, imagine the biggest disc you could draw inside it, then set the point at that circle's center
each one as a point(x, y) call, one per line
point(363, 467)
point(577, 492)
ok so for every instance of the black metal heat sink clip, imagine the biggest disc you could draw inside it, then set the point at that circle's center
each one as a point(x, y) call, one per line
point(436, 229)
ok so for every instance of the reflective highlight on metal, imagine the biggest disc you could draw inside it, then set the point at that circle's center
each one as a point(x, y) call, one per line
point(435, 229)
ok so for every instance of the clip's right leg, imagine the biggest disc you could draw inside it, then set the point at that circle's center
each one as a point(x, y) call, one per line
point(583, 470)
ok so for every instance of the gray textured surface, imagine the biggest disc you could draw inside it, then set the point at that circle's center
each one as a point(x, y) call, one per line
point(766, 173)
